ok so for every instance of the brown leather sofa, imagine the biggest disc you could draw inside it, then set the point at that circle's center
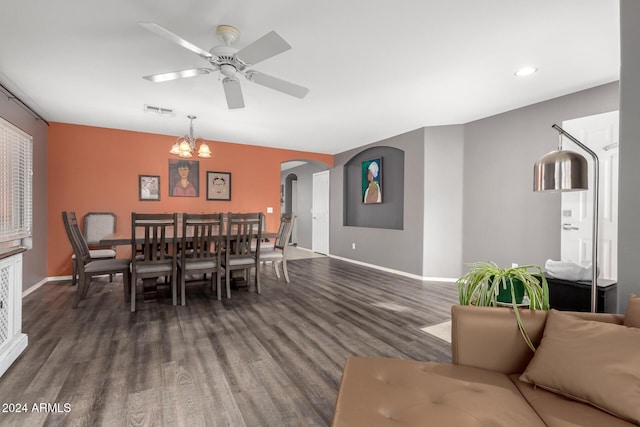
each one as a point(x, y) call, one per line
point(482, 386)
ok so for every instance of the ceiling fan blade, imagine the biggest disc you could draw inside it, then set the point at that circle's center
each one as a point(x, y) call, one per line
point(278, 84)
point(157, 78)
point(265, 47)
point(163, 32)
point(233, 93)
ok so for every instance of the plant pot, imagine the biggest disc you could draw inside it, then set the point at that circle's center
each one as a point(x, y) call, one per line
point(504, 294)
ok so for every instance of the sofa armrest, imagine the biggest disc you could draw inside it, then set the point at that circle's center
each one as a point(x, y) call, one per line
point(489, 338)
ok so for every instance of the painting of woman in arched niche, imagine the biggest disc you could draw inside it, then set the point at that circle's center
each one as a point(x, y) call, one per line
point(372, 181)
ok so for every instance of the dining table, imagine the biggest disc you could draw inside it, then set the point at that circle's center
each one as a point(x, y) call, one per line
point(150, 290)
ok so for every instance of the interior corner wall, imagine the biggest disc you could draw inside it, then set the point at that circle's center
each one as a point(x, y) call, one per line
point(394, 249)
point(305, 200)
point(34, 261)
point(443, 202)
point(504, 220)
point(629, 194)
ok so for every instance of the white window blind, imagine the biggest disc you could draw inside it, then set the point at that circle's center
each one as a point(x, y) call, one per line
point(16, 160)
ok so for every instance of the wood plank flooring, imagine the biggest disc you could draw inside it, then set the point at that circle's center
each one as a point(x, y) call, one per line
point(273, 359)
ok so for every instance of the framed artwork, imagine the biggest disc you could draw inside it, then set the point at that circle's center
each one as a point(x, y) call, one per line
point(372, 181)
point(148, 187)
point(218, 186)
point(184, 178)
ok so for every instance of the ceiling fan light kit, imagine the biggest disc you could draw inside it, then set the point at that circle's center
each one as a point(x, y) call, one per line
point(231, 63)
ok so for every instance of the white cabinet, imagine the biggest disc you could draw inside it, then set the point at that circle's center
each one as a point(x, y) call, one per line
point(12, 340)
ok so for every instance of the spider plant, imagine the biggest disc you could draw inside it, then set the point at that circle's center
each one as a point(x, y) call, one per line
point(481, 285)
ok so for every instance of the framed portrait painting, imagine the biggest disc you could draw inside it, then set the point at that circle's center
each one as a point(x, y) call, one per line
point(148, 187)
point(372, 181)
point(184, 178)
point(218, 186)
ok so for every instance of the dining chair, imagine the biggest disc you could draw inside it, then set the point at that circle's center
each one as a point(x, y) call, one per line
point(89, 267)
point(200, 250)
point(95, 226)
point(277, 253)
point(242, 230)
point(155, 255)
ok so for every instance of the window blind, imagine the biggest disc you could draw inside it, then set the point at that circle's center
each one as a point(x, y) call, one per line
point(16, 163)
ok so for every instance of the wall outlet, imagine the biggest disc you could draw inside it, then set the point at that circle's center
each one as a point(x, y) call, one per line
point(353, 246)
point(269, 209)
point(514, 264)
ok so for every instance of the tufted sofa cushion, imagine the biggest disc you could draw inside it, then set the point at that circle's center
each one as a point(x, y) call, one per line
point(395, 392)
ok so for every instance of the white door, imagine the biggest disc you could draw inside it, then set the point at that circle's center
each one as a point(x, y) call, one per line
point(600, 134)
point(294, 211)
point(320, 213)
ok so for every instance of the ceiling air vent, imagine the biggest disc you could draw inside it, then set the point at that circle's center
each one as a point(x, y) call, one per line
point(158, 110)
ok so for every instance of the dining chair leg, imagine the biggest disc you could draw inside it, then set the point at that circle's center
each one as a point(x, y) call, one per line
point(79, 291)
point(257, 279)
point(85, 288)
point(218, 285)
point(134, 284)
point(74, 272)
point(183, 290)
point(228, 283)
point(284, 269)
point(275, 268)
point(174, 286)
point(126, 280)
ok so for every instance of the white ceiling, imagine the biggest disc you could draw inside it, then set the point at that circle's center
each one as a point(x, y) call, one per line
point(374, 69)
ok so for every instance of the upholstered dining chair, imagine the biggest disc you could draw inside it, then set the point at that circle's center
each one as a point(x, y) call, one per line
point(96, 225)
point(153, 249)
point(200, 250)
point(277, 253)
point(87, 266)
point(243, 229)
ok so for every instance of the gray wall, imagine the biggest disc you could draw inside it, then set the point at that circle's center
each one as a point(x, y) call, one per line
point(402, 249)
point(504, 220)
point(305, 199)
point(443, 202)
point(34, 260)
point(629, 193)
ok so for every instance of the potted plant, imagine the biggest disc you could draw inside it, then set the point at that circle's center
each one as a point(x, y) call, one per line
point(486, 284)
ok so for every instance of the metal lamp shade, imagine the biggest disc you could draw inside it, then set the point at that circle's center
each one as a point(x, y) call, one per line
point(560, 171)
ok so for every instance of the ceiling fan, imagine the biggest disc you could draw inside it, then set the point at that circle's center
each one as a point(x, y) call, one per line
point(231, 62)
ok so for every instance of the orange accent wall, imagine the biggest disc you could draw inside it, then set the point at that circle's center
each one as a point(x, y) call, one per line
point(94, 169)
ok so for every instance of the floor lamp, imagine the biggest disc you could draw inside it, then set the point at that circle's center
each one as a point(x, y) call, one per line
point(565, 170)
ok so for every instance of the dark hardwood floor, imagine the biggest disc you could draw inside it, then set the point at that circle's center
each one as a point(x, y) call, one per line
point(273, 359)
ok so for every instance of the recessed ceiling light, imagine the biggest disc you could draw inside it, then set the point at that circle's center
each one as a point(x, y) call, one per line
point(525, 71)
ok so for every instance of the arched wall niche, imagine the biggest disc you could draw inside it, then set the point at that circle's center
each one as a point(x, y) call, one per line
point(390, 213)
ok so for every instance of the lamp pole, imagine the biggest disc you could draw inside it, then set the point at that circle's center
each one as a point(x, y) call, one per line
point(594, 243)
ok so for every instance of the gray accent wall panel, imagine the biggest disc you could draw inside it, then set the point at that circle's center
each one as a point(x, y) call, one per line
point(504, 220)
point(443, 207)
point(629, 190)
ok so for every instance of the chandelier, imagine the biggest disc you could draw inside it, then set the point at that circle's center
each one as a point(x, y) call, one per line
point(185, 146)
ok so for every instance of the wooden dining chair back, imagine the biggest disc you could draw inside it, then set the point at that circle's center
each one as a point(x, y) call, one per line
point(243, 229)
point(87, 266)
point(96, 225)
point(277, 254)
point(95, 250)
point(200, 251)
point(153, 249)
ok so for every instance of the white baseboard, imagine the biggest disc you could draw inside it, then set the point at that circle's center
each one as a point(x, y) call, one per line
point(44, 281)
point(398, 272)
